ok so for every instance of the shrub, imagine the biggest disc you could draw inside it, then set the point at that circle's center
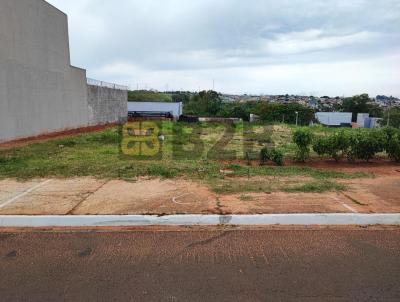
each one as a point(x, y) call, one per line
point(264, 155)
point(277, 157)
point(339, 144)
point(321, 146)
point(303, 139)
point(393, 149)
point(274, 155)
point(364, 144)
point(392, 144)
point(336, 145)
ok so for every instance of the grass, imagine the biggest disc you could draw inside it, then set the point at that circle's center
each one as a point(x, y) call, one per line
point(316, 187)
point(240, 170)
point(98, 155)
point(91, 155)
point(288, 185)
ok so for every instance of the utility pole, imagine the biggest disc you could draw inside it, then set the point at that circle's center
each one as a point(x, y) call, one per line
point(213, 85)
point(388, 121)
point(297, 118)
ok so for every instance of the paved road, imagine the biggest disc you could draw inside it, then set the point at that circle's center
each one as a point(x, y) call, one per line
point(202, 265)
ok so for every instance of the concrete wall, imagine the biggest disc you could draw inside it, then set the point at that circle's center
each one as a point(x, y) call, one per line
point(40, 92)
point(107, 105)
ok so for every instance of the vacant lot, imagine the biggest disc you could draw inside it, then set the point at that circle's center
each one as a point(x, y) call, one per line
point(88, 174)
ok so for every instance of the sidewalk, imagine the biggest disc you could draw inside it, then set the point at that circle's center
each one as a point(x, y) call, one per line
point(88, 196)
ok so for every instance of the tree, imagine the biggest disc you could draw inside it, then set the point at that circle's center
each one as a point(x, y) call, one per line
point(277, 112)
point(181, 98)
point(239, 110)
point(392, 117)
point(361, 104)
point(205, 103)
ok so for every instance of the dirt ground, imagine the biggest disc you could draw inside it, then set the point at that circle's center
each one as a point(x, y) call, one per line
point(53, 135)
point(84, 196)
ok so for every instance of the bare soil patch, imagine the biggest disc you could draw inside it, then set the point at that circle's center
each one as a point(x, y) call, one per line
point(53, 135)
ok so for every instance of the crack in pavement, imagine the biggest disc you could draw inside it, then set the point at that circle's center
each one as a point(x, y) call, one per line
point(71, 212)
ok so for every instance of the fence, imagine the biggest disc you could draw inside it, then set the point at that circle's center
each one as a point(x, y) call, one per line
point(94, 82)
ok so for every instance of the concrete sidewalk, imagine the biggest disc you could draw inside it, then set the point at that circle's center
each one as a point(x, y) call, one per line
point(89, 196)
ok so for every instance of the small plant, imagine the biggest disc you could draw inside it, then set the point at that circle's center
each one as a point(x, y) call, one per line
point(274, 155)
point(303, 139)
point(277, 157)
point(265, 155)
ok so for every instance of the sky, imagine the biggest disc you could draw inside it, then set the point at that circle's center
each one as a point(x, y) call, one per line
point(305, 47)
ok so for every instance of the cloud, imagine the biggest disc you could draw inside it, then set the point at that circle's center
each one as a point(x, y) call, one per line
point(313, 40)
point(191, 42)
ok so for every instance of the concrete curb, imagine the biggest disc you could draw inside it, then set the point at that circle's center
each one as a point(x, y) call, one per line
point(188, 220)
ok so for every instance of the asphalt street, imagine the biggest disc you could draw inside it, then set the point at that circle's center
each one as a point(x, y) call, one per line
point(260, 264)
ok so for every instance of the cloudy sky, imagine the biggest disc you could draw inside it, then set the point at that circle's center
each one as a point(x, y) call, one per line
point(318, 47)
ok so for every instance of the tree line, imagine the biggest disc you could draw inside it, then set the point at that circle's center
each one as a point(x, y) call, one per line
point(209, 104)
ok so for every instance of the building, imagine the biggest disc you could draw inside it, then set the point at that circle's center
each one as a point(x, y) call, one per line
point(40, 92)
point(365, 121)
point(157, 109)
point(335, 119)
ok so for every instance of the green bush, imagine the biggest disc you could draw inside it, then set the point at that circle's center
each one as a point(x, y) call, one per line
point(340, 144)
point(364, 144)
point(335, 145)
point(265, 155)
point(321, 146)
point(277, 157)
point(392, 144)
point(274, 155)
point(303, 138)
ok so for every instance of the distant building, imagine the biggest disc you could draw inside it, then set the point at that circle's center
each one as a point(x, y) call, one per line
point(312, 103)
point(254, 118)
point(365, 121)
point(175, 110)
point(334, 119)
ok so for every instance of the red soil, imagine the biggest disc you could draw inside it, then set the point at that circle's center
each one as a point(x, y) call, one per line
point(58, 134)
